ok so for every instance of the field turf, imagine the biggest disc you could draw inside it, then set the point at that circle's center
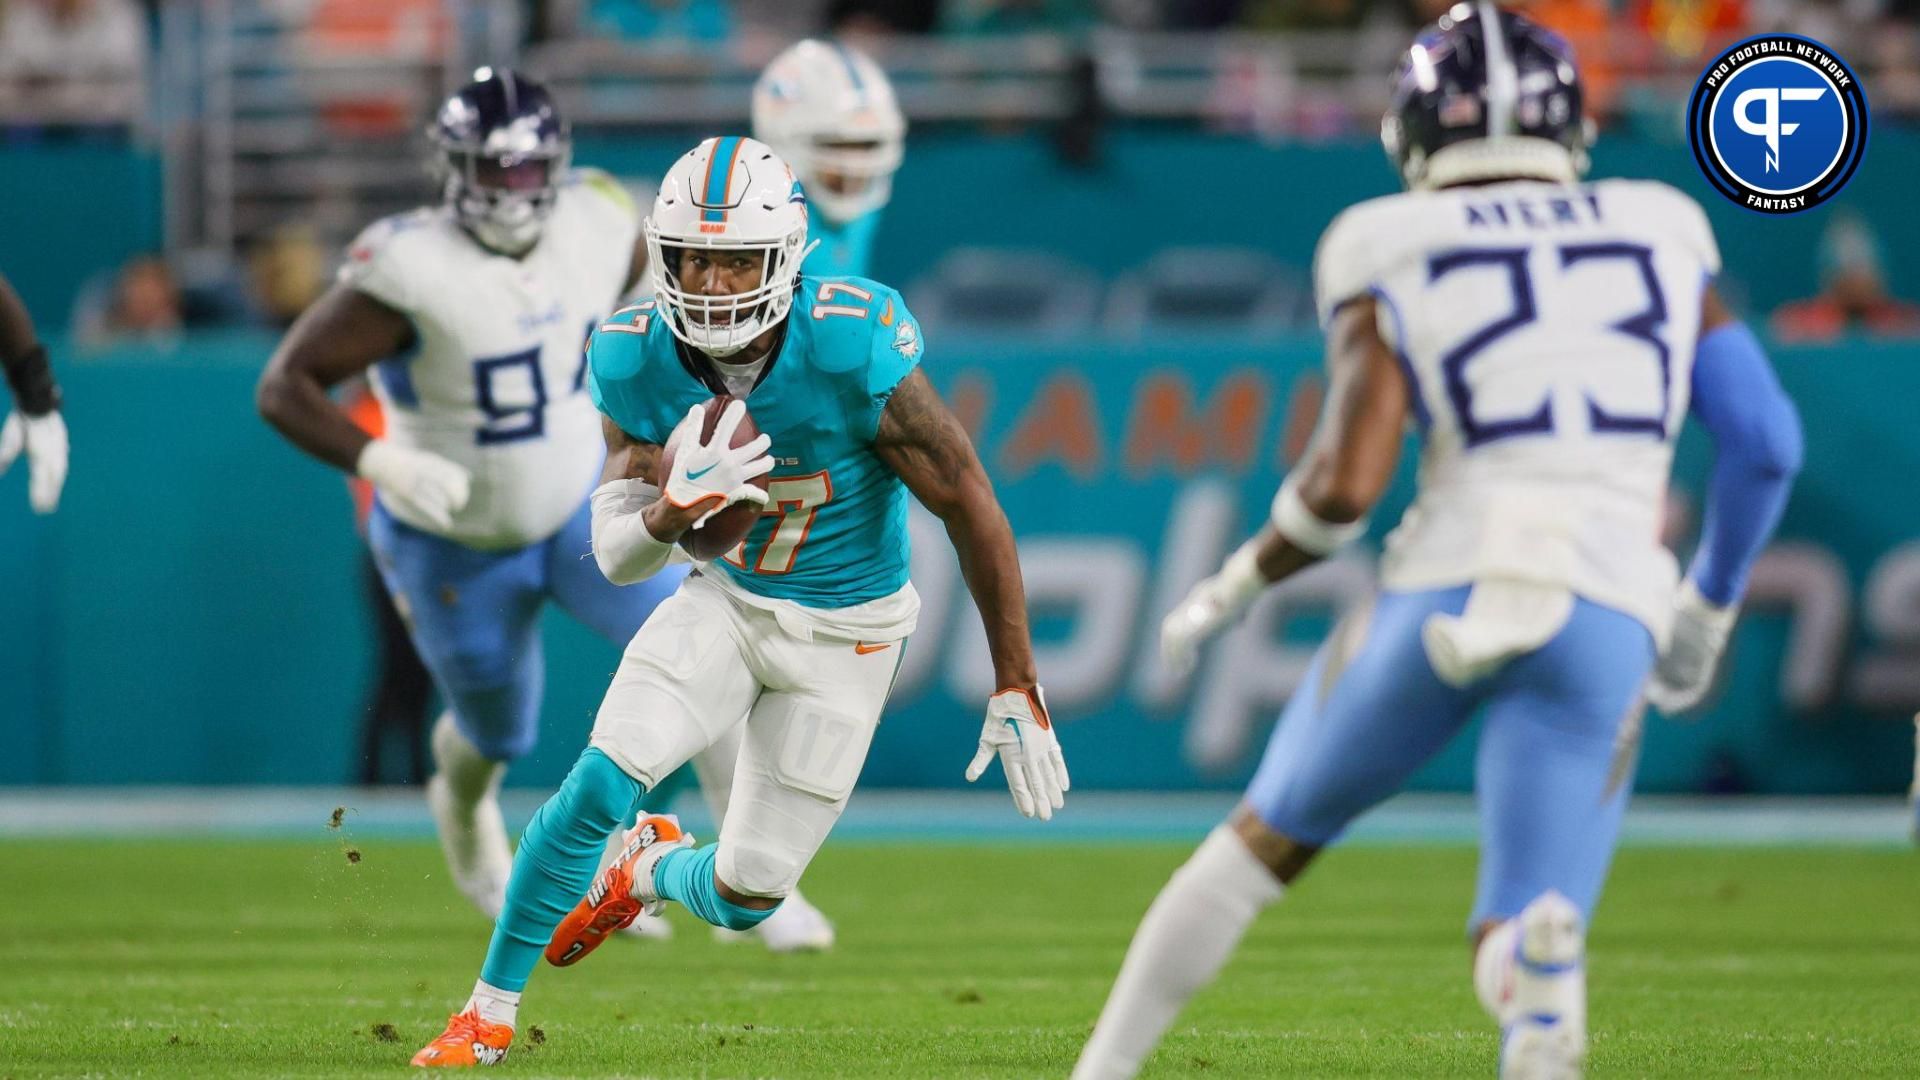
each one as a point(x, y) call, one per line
point(282, 958)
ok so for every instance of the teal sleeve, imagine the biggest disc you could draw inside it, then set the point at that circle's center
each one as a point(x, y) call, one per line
point(896, 352)
point(616, 364)
point(593, 388)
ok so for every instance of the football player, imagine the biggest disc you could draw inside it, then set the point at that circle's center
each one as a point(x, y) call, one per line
point(34, 425)
point(1549, 338)
point(801, 628)
point(830, 112)
point(473, 316)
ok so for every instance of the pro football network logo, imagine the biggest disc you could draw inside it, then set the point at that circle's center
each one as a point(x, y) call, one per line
point(1778, 123)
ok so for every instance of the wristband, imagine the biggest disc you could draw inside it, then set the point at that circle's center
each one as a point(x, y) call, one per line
point(1307, 530)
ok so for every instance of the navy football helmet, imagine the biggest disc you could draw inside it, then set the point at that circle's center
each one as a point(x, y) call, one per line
point(503, 147)
point(1486, 94)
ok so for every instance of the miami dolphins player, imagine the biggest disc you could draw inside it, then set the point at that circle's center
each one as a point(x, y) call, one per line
point(1549, 338)
point(472, 316)
point(829, 111)
point(801, 628)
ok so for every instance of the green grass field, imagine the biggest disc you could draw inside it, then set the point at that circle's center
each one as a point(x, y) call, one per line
point(235, 958)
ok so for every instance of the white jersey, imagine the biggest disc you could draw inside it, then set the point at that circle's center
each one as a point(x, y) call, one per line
point(496, 381)
point(1548, 334)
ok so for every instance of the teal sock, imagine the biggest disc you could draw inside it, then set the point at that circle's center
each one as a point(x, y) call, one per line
point(559, 853)
point(686, 875)
point(660, 799)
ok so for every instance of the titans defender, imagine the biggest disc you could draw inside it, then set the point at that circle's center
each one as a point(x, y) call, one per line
point(801, 628)
point(472, 316)
point(829, 111)
point(1549, 338)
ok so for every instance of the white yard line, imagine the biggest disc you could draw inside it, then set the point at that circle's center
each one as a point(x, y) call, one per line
point(931, 816)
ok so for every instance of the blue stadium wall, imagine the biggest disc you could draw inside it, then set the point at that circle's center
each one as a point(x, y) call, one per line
point(193, 614)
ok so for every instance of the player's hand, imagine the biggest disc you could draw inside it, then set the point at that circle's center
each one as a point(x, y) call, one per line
point(1211, 605)
point(430, 486)
point(1017, 729)
point(709, 476)
point(1684, 671)
point(44, 438)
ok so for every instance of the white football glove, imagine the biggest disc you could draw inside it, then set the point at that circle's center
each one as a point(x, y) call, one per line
point(1212, 604)
point(430, 486)
point(713, 474)
point(1017, 729)
point(44, 438)
point(1684, 672)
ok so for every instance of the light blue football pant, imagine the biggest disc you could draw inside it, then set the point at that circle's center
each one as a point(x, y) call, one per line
point(1549, 789)
point(475, 617)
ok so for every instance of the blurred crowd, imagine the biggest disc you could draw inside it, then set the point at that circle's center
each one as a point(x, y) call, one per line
point(88, 64)
point(72, 58)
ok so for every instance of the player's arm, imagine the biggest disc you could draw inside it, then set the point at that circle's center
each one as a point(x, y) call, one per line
point(636, 526)
point(1325, 499)
point(924, 444)
point(35, 424)
point(344, 333)
point(1757, 451)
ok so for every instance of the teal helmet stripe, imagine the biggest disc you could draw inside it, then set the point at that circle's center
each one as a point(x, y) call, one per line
point(719, 177)
point(853, 72)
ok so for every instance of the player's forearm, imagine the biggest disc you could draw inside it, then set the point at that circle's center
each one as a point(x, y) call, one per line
point(299, 408)
point(990, 563)
point(1745, 498)
point(1758, 446)
point(625, 547)
point(1276, 557)
point(22, 358)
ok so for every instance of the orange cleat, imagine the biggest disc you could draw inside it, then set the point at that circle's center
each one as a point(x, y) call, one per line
point(467, 1042)
point(615, 901)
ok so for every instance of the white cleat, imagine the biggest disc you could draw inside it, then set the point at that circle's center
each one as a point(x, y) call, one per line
point(650, 928)
point(474, 841)
point(1544, 1021)
point(796, 926)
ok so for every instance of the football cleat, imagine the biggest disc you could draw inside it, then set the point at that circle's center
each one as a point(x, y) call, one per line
point(1544, 1036)
point(796, 926)
point(468, 1041)
point(621, 892)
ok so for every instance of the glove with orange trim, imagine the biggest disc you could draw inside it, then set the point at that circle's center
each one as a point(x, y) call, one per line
point(1017, 729)
point(711, 474)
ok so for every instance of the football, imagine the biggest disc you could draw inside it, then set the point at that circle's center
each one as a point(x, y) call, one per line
point(722, 531)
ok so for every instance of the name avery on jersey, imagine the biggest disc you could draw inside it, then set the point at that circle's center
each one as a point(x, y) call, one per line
point(1532, 213)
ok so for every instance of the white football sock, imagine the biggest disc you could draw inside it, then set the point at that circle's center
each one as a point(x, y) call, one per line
point(496, 1006)
point(464, 795)
point(1192, 928)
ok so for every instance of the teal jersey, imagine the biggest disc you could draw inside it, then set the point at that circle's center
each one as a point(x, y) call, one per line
point(835, 531)
point(845, 250)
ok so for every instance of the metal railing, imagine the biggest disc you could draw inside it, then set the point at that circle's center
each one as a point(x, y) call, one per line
point(265, 121)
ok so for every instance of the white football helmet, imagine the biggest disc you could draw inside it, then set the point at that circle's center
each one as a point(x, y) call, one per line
point(830, 111)
point(727, 194)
